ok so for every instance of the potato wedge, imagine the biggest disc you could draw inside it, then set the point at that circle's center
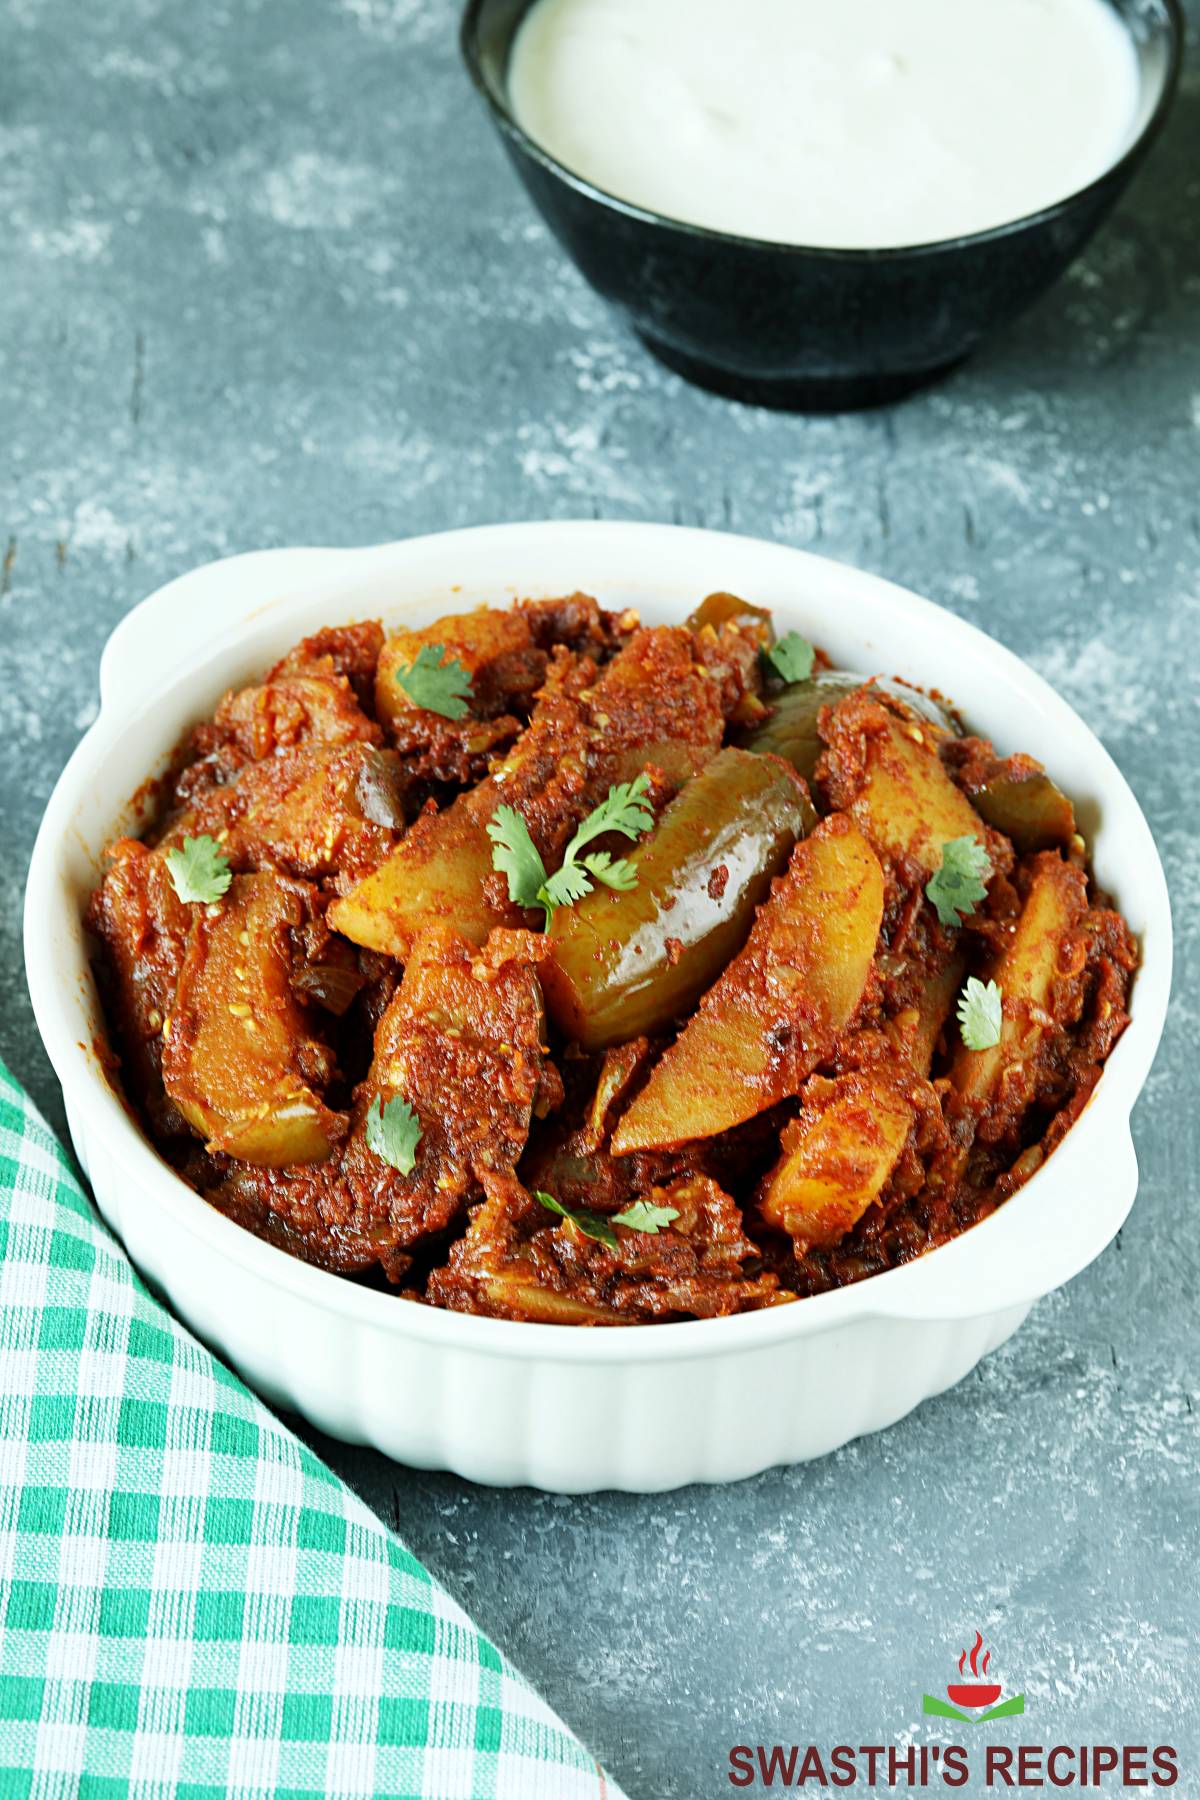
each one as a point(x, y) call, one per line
point(778, 1007)
point(336, 808)
point(144, 927)
point(1039, 956)
point(239, 1057)
point(838, 1155)
point(628, 963)
point(661, 702)
point(439, 874)
point(907, 804)
point(509, 1294)
point(461, 1043)
point(496, 649)
point(836, 1158)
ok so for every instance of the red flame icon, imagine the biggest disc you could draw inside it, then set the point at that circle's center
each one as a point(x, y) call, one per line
point(976, 1692)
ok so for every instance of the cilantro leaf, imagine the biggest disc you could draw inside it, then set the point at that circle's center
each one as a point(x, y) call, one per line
point(198, 871)
point(625, 808)
point(980, 1014)
point(792, 657)
point(643, 1215)
point(517, 856)
point(620, 874)
point(440, 687)
point(393, 1132)
point(593, 1225)
point(961, 883)
point(564, 887)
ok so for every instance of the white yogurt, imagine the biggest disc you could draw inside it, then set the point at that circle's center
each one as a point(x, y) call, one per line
point(850, 123)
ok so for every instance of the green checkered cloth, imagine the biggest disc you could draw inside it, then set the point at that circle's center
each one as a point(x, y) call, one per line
point(192, 1606)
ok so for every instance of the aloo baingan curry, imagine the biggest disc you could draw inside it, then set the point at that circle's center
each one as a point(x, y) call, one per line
point(543, 965)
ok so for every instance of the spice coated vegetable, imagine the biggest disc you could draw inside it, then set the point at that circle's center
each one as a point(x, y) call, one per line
point(1044, 951)
point(539, 964)
point(845, 1143)
point(241, 1060)
point(903, 799)
point(793, 728)
point(777, 1009)
point(624, 809)
point(633, 962)
point(658, 704)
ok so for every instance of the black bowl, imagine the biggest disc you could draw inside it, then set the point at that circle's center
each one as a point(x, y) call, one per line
point(787, 325)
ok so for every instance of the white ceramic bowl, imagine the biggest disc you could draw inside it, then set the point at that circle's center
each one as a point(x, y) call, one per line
point(645, 1407)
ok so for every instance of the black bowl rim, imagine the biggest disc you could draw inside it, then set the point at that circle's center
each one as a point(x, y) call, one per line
point(1115, 174)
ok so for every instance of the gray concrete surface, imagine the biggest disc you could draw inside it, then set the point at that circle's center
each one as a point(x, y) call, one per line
point(265, 278)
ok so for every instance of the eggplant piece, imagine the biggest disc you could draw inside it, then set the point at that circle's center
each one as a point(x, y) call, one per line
point(917, 1029)
point(239, 1058)
point(288, 710)
point(1014, 795)
point(379, 790)
point(791, 731)
point(626, 964)
point(334, 979)
point(489, 1269)
point(349, 650)
point(579, 624)
point(777, 1009)
point(1031, 810)
point(700, 1265)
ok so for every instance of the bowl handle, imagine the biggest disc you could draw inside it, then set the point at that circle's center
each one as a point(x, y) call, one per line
point(172, 626)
